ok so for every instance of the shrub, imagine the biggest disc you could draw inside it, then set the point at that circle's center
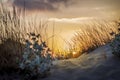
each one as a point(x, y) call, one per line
point(115, 44)
point(37, 59)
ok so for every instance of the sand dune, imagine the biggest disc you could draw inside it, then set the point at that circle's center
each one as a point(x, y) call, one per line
point(97, 65)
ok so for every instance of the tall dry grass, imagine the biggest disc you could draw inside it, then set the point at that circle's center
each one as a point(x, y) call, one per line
point(14, 27)
point(13, 31)
point(92, 35)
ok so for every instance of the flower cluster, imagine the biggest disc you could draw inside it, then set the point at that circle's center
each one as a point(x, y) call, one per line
point(37, 57)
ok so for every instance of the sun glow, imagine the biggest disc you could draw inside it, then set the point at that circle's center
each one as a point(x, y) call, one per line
point(74, 53)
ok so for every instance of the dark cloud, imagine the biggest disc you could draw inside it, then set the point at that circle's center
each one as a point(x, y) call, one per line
point(98, 3)
point(41, 4)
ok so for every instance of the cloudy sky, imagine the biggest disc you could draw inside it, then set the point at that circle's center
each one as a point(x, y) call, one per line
point(70, 8)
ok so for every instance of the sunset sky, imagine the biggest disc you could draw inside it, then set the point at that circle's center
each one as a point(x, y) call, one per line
point(68, 14)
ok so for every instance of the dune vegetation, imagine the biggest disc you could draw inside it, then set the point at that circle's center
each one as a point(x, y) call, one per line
point(14, 28)
point(13, 33)
point(92, 35)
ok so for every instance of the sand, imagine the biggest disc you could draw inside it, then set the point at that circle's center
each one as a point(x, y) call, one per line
point(100, 64)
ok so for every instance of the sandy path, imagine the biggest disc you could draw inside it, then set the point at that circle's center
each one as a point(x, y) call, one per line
point(97, 65)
